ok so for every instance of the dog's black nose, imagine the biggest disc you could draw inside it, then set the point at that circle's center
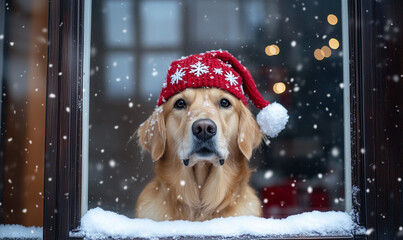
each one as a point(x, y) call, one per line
point(204, 129)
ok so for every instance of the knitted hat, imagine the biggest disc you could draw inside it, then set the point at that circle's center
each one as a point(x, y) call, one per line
point(220, 69)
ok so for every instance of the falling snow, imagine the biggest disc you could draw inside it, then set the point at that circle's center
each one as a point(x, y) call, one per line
point(154, 72)
point(335, 152)
point(268, 174)
point(112, 163)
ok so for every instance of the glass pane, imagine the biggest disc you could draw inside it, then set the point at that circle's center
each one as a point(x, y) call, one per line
point(208, 17)
point(160, 23)
point(294, 52)
point(119, 70)
point(23, 67)
point(118, 22)
point(153, 69)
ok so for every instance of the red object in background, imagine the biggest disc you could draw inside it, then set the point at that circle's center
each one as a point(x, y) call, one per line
point(319, 200)
point(280, 200)
point(285, 199)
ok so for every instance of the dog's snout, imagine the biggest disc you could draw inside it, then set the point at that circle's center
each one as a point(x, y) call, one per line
point(204, 129)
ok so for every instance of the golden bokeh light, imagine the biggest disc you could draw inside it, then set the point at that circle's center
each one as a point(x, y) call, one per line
point(272, 50)
point(332, 19)
point(327, 52)
point(279, 88)
point(319, 54)
point(267, 51)
point(276, 49)
point(333, 43)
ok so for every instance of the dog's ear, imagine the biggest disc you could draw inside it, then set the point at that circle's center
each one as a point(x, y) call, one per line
point(152, 134)
point(249, 135)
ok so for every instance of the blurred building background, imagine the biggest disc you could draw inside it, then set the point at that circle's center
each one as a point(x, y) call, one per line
point(23, 53)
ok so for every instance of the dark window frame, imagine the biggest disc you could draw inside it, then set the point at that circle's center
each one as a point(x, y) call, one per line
point(62, 193)
point(373, 119)
point(2, 20)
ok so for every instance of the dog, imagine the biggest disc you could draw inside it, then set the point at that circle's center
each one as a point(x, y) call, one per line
point(201, 140)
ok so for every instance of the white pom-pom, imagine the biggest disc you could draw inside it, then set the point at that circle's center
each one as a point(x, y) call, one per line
point(272, 119)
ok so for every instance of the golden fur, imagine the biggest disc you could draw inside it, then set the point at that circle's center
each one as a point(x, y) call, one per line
point(204, 189)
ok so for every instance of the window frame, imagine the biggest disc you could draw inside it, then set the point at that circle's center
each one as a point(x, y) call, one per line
point(2, 20)
point(62, 193)
point(62, 206)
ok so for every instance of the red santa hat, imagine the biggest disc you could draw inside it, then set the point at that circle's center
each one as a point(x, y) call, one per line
point(220, 69)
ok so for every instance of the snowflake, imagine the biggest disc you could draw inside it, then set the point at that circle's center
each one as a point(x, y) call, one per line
point(199, 69)
point(230, 77)
point(218, 71)
point(164, 84)
point(177, 76)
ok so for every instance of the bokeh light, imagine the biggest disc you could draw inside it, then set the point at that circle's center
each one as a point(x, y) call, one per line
point(272, 50)
point(332, 19)
point(279, 88)
point(327, 52)
point(333, 43)
point(319, 54)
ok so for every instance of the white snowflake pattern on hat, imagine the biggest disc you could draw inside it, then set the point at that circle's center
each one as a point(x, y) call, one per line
point(218, 71)
point(198, 69)
point(230, 77)
point(177, 76)
point(164, 84)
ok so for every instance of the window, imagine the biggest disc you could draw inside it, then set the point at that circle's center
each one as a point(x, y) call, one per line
point(23, 64)
point(301, 170)
point(74, 128)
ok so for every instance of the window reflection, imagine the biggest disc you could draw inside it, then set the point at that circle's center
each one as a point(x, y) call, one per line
point(301, 170)
point(160, 23)
point(23, 64)
point(154, 67)
point(208, 17)
point(120, 70)
point(118, 21)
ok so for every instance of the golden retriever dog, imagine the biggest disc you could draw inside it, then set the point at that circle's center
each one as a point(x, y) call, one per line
point(201, 140)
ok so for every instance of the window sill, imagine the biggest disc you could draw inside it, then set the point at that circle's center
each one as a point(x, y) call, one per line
point(241, 237)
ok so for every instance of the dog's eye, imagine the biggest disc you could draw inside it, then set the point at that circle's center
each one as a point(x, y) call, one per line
point(225, 103)
point(180, 104)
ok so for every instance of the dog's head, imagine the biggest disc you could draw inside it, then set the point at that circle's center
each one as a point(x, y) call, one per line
point(203, 124)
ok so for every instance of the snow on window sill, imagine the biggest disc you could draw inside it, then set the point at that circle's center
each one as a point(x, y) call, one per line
point(13, 231)
point(98, 223)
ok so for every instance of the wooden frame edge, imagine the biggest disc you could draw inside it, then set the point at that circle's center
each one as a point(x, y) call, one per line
point(63, 119)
